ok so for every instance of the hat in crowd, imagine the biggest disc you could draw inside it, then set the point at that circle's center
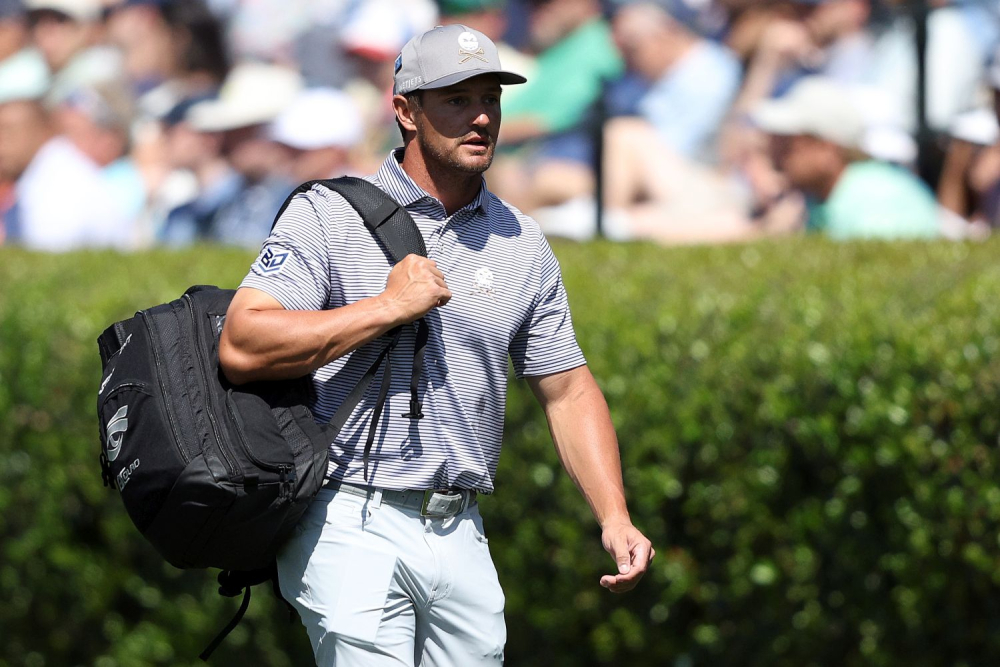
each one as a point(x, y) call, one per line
point(24, 76)
point(319, 118)
point(83, 11)
point(107, 104)
point(377, 29)
point(445, 56)
point(815, 106)
point(252, 94)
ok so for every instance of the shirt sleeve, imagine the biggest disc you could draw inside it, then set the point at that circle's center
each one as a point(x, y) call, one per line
point(294, 263)
point(546, 342)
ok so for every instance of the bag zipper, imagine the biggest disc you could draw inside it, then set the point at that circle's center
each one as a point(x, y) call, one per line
point(222, 442)
point(284, 470)
point(154, 345)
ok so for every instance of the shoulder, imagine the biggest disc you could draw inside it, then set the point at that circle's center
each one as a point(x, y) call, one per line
point(320, 203)
point(508, 220)
point(881, 179)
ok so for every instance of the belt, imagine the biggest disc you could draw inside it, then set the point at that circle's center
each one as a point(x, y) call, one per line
point(434, 503)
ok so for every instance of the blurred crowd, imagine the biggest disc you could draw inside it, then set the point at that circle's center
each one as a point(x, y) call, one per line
point(134, 123)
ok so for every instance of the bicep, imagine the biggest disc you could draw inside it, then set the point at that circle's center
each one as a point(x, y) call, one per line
point(554, 389)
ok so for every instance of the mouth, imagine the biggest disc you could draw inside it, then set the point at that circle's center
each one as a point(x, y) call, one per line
point(477, 141)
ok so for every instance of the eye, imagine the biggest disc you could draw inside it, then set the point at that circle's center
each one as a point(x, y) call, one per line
point(457, 101)
point(492, 100)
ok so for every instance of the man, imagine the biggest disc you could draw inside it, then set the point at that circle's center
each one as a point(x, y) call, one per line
point(816, 134)
point(236, 202)
point(551, 121)
point(320, 131)
point(68, 33)
point(34, 156)
point(382, 569)
point(689, 82)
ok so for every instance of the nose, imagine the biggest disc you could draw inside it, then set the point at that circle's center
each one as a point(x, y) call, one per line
point(482, 119)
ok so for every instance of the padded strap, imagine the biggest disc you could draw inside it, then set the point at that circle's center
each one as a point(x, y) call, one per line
point(385, 218)
point(397, 233)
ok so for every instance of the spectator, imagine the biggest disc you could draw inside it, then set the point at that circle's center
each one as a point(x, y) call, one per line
point(816, 133)
point(319, 131)
point(371, 38)
point(241, 202)
point(576, 58)
point(192, 165)
point(40, 162)
point(970, 180)
point(576, 54)
point(808, 37)
point(23, 73)
point(98, 121)
point(690, 81)
point(68, 33)
point(13, 28)
point(969, 187)
point(171, 50)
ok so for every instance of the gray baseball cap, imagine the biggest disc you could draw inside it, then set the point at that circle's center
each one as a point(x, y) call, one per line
point(446, 55)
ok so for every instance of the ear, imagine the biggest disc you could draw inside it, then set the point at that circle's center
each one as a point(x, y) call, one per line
point(404, 113)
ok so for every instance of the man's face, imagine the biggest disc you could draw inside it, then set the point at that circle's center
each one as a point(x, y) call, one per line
point(23, 129)
point(457, 126)
point(806, 161)
point(58, 37)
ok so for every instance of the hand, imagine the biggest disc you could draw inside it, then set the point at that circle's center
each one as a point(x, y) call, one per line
point(414, 287)
point(787, 214)
point(631, 550)
point(786, 42)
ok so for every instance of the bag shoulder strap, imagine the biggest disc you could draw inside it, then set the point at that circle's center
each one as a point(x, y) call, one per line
point(387, 221)
point(399, 236)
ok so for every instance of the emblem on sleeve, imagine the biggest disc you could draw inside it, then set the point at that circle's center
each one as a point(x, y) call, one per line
point(482, 283)
point(271, 262)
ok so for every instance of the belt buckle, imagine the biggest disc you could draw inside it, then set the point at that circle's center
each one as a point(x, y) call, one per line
point(441, 504)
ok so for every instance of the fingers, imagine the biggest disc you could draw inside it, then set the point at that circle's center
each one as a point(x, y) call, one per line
point(633, 554)
point(415, 286)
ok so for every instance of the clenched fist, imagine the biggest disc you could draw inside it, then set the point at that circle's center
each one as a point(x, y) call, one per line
point(414, 286)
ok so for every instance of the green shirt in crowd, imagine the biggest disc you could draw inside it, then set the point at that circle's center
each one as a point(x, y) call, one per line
point(567, 78)
point(877, 200)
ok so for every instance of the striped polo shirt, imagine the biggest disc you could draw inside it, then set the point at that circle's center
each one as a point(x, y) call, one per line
point(508, 300)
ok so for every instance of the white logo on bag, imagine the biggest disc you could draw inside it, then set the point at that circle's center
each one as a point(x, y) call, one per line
point(116, 432)
point(105, 383)
point(126, 474)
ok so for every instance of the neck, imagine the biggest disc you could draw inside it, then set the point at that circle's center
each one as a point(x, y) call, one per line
point(453, 188)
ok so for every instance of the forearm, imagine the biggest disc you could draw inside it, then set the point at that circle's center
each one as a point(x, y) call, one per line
point(585, 440)
point(273, 344)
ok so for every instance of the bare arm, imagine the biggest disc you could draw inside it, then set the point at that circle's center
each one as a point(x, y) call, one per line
point(585, 440)
point(263, 341)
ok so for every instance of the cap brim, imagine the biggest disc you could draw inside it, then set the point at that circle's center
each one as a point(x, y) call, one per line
point(506, 78)
point(216, 116)
point(777, 117)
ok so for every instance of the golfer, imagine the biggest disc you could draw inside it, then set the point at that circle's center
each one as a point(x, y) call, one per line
point(390, 565)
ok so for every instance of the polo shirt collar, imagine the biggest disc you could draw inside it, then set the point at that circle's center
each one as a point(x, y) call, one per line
point(407, 192)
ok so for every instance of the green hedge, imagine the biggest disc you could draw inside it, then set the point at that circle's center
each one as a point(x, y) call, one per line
point(809, 434)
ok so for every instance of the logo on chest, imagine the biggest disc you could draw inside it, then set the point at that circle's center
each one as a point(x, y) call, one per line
point(482, 283)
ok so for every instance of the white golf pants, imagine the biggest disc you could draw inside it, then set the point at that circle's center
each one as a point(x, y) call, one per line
point(378, 586)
